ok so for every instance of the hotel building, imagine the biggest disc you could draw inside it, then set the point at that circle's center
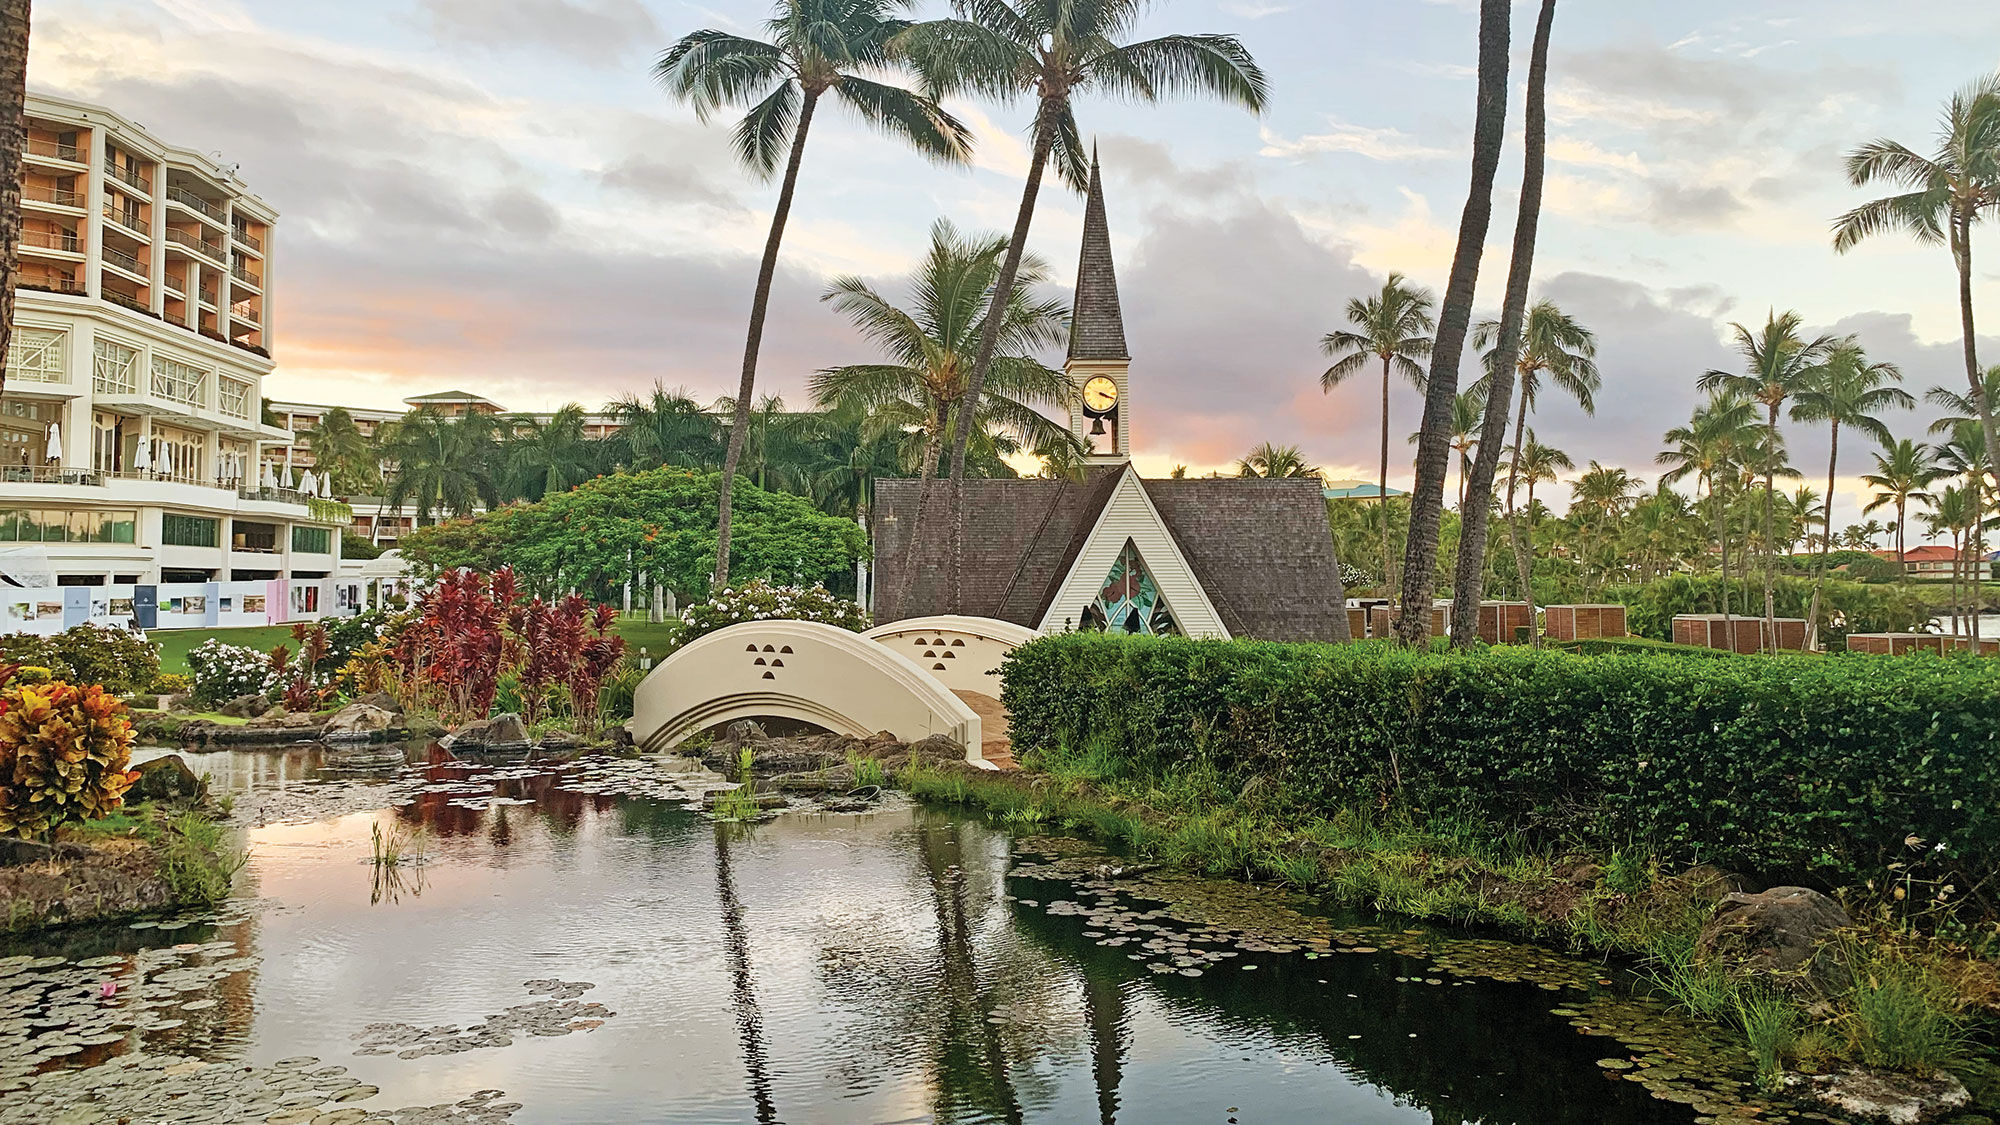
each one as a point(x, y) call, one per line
point(132, 439)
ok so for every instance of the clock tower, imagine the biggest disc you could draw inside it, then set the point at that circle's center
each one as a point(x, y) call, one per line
point(1099, 364)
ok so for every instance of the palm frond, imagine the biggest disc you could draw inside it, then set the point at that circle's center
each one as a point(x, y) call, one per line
point(765, 134)
point(1217, 65)
point(935, 134)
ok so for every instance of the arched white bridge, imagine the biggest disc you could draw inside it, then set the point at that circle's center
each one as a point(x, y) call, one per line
point(912, 678)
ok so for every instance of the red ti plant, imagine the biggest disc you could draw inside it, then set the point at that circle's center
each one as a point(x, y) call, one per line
point(596, 657)
point(569, 647)
point(455, 651)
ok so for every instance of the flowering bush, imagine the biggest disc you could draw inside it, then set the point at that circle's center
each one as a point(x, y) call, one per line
point(64, 750)
point(225, 672)
point(759, 600)
point(117, 660)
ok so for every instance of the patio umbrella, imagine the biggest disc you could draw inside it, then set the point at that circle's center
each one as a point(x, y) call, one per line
point(270, 476)
point(167, 459)
point(286, 480)
point(309, 484)
point(54, 452)
point(143, 459)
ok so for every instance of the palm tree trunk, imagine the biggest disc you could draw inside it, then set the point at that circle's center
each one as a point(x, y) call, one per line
point(1475, 499)
point(1722, 542)
point(760, 305)
point(1047, 117)
point(13, 137)
point(1825, 543)
point(1420, 548)
point(1961, 252)
point(1902, 556)
point(926, 478)
point(1523, 564)
point(1382, 489)
point(1770, 546)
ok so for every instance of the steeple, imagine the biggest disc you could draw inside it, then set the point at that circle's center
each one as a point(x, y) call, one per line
point(1097, 327)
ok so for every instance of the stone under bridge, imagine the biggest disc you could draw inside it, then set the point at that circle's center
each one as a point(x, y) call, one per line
point(915, 678)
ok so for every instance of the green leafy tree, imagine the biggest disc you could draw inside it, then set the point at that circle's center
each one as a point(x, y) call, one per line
point(815, 48)
point(1273, 462)
point(443, 465)
point(1944, 196)
point(1052, 51)
point(1903, 471)
point(1392, 327)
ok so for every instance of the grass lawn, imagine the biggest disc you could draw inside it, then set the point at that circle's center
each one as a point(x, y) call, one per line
point(175, 644)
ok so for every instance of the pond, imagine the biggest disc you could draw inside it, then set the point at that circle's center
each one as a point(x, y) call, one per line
point(579, 944)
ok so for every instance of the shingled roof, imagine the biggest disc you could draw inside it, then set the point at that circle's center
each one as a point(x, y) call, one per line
point(1097, 323)
point(1261, 549)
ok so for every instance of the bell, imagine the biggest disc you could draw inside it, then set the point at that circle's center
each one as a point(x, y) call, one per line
point(1096, 426)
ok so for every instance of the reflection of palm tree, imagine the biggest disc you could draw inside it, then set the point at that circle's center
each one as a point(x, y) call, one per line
point(975, 1072)
point(1110, 1035)
point(736, 945)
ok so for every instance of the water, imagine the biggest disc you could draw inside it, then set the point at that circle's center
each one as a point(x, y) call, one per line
point(892, 966)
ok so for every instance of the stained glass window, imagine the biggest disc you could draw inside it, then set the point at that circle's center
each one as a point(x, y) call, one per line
point(1130, 601)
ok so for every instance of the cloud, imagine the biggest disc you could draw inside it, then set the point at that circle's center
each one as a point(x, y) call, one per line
point(589, 30)
point(1256, 9)
point(1387, 144)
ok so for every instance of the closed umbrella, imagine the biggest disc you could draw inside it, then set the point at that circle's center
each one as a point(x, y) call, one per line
point(286, 480)
point(309, 484)
point(270, 476)
point(54, 452)
point(142, 461)
point(166, 460)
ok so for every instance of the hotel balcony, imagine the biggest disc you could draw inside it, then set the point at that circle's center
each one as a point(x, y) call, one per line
point(130, 220)
point(209, 248)
point(178, 493)
point(129, 177)
point(243, 276)
point(196, 205)
point(247, 240)
point(52, 241)
point(129, 264)
point(41, 195)
point(54, 152)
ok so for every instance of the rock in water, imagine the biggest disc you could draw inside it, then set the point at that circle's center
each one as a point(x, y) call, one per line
point(1884, 1096)
point(381, 699)
point(166, 779)
point(1778, 932)
point(357, 722)
point(502, 732)
point(742, 731)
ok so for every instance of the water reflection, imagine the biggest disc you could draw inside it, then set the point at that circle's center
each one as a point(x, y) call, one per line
point(813, 968)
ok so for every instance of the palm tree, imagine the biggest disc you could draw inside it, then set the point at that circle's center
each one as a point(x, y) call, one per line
point(1274, 462)
point(1468, 580)
point(1960, 406)
point(1846, 389)
point(930, 348)
point(1944, 195)
point(1468, 416)
point(1454, 319)
point(1053, 50)
point(1899, 478)
point(1778, 364)
point(442, 464)
point(1542, 464)
point(14, 20)
point(816, 48)
point(1964, 455)
point(1551, 341)
point(667, 427)
point(1393, 326)
point(544, 458)
point(343, 453)
point(1954, 512)
point(1862, 536)
point(1710, 445)
point(1599, 497)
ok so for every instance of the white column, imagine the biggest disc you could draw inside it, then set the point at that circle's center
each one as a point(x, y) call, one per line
point(157, 215)
point(93, 220)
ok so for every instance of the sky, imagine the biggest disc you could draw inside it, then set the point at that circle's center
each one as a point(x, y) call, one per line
point(494, 196)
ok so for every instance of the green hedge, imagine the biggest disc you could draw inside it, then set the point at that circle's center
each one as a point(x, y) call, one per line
point(1793, 770)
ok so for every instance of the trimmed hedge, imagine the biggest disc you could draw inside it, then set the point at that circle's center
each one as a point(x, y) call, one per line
point(1794, 770)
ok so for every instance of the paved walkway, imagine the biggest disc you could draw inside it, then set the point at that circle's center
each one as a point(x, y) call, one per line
point(994, 744)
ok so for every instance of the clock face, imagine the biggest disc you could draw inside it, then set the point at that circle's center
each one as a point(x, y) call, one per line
point(1100, 395)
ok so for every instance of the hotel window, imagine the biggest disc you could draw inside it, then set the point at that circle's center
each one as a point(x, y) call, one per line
point(35, 355)
point(233, 396)
point(189, 531)
point(312, 540)
point(31, 525)
point(179, 382)
point(259, 537)
point(107, 440)
point(115, 368)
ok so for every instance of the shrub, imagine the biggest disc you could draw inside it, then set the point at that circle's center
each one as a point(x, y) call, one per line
point(115, 659)
point(170, 683)
point(225, 672)
point(63, 756)
point(1793, 769)
point(758, 600)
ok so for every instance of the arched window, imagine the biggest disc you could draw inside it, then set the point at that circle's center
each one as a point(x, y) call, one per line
point(1130, 600)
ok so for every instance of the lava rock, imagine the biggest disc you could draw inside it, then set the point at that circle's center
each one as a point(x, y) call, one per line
point(1883, 1096)
point(381, 699)
point(501, 733)
point(1777, 933)
point(167, 779)
point(937, 747)
point(358, 722)
point(246, 706)
point(742, 731)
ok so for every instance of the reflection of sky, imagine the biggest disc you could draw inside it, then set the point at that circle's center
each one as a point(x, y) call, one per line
point(890, 980)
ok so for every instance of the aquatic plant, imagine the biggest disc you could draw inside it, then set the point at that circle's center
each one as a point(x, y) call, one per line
point(196, 860)
point(64, 750)
point(739, 804)
point(1901, 1010)
point(1770, 1020)
point(402, 845)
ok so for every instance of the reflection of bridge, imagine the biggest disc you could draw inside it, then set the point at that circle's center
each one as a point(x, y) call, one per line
point(916, 678)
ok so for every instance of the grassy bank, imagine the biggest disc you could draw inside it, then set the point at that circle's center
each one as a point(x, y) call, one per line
point(141, 860)
point(1909, 1002)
